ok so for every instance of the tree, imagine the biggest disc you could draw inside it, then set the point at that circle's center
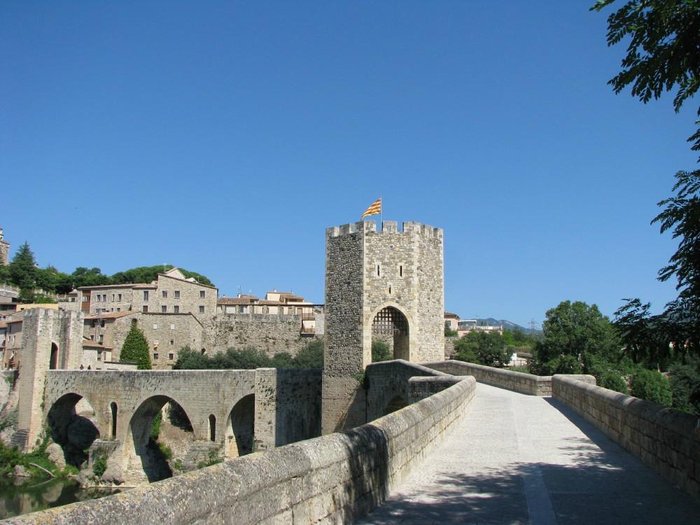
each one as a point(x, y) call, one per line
point(573, 334)
point(380, 351)
point(484, 348)
point(311, 356)
point(135, 349)
point(663, 53)
point(23, 272)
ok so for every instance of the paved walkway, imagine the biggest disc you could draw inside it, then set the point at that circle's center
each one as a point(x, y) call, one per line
point(525, 459)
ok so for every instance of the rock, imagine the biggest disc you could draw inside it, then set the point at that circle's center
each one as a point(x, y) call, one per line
point(20, 472)
point(55, 454)
point(113, 474)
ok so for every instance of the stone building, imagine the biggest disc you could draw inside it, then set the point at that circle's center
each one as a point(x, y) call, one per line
point(172, 292)
point(167, 334)
point(4, 249)
point(385, 284)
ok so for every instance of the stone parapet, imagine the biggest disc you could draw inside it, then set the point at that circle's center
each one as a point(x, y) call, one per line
point(666, 440)
point(516, 381)
point(334, 478)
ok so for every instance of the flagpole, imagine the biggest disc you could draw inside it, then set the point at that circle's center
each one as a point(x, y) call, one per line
point(381, 213)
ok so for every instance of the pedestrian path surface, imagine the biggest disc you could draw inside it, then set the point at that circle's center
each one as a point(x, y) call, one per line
point(526, 459)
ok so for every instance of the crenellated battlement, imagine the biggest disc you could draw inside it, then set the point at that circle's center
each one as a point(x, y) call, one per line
point(412, 228)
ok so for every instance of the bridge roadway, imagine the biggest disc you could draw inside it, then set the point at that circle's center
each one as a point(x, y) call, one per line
point(524, 459)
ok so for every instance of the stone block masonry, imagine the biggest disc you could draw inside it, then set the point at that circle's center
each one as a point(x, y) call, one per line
point(665, 439)
point(392, 276)
point(331, 479)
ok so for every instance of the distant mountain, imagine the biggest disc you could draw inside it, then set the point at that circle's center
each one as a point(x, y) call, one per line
point(490, 321)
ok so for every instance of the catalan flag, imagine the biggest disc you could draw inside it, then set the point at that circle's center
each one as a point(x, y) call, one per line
point(374, 209)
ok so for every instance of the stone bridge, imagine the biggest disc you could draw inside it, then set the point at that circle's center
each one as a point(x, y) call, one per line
point(459, 452)
point(229, 412)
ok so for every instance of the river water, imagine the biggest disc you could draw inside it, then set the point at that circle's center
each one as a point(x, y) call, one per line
point(24, 499)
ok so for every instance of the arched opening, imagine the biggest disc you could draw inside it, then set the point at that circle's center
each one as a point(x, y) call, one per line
point(113, 412)
point(390, 330)
point(240, 428)
point(204, 351)
point(162, 434)
point(396, 403)
point(71, 421)
point(53, 360)
point(212, 427)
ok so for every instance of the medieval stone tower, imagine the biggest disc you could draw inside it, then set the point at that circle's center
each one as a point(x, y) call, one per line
point(387, 284)
point(4, 250)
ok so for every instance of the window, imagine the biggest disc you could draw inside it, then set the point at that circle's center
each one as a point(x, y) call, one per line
point(201, 309)
point(145, 295)
point(119, 297)
point(202, 294)
point(155, 356)
point(165, 294)
point(177, 294)
point(400, 270)
point(171, 356)
point(101, 338)
point(164, 309)
point(145, 309)
point(113, 297)
point(172, 327)
point(379, 271)
point(99, 355)
point(172, 342)
point(176, 309)
point(102, 323)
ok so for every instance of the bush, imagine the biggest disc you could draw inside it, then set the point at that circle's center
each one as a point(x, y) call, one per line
point(685, 388)
point(99, 464)
point(652, 386)
point(613, 380)
point(380, 351)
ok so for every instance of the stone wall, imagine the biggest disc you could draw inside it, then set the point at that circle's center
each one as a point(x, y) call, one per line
point(271, 334)
point(502, 378)
point(334, 478)
point(390, 380)
point(665, 439)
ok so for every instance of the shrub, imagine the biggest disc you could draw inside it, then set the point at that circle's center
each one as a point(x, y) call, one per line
point(380, 351)
point(652, 386)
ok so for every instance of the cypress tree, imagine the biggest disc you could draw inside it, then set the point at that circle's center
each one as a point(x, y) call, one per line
point(135, 349)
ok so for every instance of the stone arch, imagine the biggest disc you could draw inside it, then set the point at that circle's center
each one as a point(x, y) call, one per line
point(392, 325)
point(53, 358)
point(395, 403)
point(240, 428)
point(142, 447)
point(72, 425)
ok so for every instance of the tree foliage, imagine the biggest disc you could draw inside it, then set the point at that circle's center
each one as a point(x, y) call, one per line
point(573, 334)
point(663, 50)
point(311, 356)
point(380, 351)
point(23, 271)
point(135, 349)
point(484, 348)
point(650, 385)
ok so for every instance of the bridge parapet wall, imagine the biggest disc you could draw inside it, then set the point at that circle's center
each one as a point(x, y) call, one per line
point(665, 439)
point(334, 478)
point(516, 381)
point(389, 380)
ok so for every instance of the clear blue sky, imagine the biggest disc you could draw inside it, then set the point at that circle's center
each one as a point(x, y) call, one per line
point(224, 137)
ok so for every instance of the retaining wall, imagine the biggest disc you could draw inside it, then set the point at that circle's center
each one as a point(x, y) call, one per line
point(334, 478)
point(665, 439)
point(515, 381)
